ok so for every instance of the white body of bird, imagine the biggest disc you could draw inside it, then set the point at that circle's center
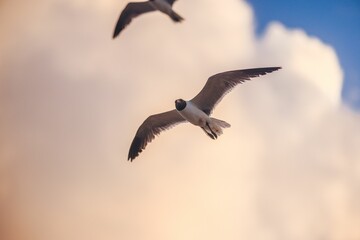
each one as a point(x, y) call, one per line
point(197, 117)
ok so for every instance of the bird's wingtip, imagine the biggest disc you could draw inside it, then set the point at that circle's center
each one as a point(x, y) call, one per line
point(131, 158)
point(274, 68)
point(117, 31)
point(132, 155)
point(135, 149)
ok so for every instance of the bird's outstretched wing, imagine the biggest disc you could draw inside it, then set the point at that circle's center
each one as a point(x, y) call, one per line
point(218, 85)
point(151, 127)
point(171, 2)
point(131, 10)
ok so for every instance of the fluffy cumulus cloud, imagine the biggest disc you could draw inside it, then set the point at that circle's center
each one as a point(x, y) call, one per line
point(71, 100)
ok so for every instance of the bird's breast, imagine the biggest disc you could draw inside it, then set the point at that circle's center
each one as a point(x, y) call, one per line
point(194, 115)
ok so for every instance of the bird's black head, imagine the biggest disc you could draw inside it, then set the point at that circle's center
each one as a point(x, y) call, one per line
point(180, 104)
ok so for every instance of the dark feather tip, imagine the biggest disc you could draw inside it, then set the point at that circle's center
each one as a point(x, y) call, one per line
point(135, 149)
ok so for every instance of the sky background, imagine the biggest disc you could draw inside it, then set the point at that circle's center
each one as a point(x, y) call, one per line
point(335, 22)
point(71, 100)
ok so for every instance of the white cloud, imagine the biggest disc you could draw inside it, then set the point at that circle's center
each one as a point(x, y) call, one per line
point(318, 61)
point(72, 99)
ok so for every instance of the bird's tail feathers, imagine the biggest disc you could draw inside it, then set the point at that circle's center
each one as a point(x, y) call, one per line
point(217, 125)
point(175, 17)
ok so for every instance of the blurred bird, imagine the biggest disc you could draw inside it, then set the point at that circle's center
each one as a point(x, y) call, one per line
point(135, 9)
point(196, 111)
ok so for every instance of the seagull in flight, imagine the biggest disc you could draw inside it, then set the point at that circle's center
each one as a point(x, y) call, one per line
point(196, 111)
point(134, 9)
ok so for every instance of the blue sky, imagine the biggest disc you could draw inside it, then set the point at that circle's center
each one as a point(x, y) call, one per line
point(335, 22)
